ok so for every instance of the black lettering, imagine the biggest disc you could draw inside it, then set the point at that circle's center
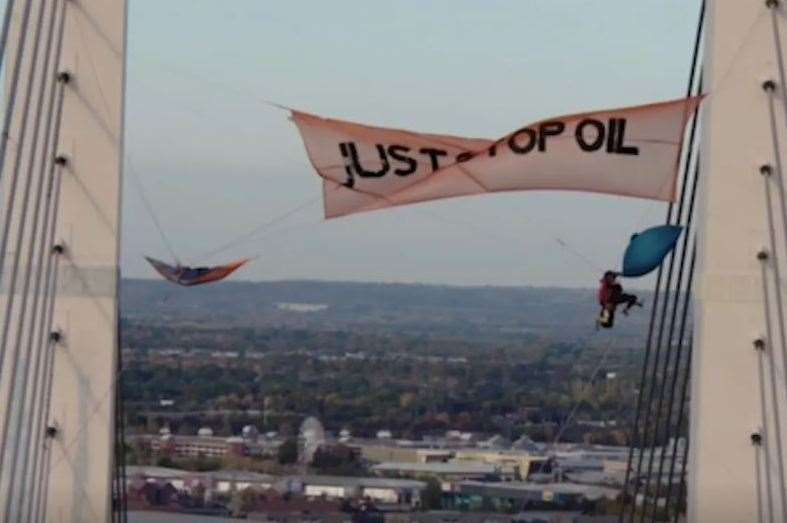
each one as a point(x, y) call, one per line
point(522, 149)
point(580, 135)
point(350, 182)
point(613, 125)
point(433, 154)
point(621, 148)
point(396, 152)
point(464, 156)
point(359, 168)
point(548, 129)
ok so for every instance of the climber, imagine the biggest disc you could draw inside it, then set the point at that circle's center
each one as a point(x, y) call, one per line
point(610, 295)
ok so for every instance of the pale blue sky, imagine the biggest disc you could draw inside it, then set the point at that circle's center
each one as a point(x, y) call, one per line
point(216, 161)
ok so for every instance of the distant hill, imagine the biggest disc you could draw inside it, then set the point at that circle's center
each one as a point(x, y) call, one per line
point(435, 311)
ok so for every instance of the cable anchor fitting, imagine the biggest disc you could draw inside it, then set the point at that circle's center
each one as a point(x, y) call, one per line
point(759, 344)
point(64, 77)
point(762, 255)
point(756, 439)
point(769, 85)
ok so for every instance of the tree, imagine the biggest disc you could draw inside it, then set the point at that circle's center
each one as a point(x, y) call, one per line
point(166, 461)
point(198, 494)
point(288, 451)
point(243, 501)
point(432, 495)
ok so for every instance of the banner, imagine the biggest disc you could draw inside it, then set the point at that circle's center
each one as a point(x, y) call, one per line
point(632, 151)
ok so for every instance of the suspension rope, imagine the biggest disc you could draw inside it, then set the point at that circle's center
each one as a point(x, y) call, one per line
point(120, 431)
point(18, 375)
point(39, 466)
point(12, 201)
point(657, 355)
point(675, 436)
point(765, 425)
point(766, 347)
point(758, 483)
point(14, 84)
point(41, 398)
point(149, 208)
point(671, 332)
point(42, 456)
point(9, 8)
point(639, 436)
point(773, 7)
point(24, 424)
point(20, 236)
point(673, 375)
point(779, 181)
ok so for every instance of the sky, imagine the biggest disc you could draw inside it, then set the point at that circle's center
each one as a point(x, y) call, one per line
point(216, 161)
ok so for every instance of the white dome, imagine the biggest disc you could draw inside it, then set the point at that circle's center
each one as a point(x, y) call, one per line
point(250, 432)
point(312, 430)
point(205, 432)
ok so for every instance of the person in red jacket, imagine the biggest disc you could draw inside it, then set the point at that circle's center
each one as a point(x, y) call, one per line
point(610, 295)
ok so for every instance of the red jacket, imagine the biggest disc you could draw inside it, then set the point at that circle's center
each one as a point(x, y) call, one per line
point(605, 292)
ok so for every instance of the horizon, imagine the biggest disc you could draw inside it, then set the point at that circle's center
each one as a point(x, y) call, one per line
point(239, 281)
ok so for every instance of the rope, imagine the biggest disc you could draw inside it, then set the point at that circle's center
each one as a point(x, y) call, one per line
point(14, 179)
point(149, 208)
point(673, 317)
point(14, 84)
point(264, 226)
point(681, 420)
point(638, 436)
point(488, 233)
point(684, 389)
point(774, 396)
point(134, 176)
point(771, 232)
point(120, 431)
point(9, 8)
point(674, 436)
point(579, 402)
point(39, 469)
point(47, 172)
point(757, 483)
point(23, 309)
point(765, 433)
point(779, 60)
point(41, 411)
point(20, 236)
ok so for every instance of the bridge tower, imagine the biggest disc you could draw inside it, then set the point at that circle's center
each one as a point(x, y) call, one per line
point(60, 270)
point(738, 402)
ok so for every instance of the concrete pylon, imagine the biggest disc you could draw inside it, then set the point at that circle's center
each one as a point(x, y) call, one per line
point(77, 479)
point(738, 436)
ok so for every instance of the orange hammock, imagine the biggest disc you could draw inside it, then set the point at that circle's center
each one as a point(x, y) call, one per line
point(188, 276)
